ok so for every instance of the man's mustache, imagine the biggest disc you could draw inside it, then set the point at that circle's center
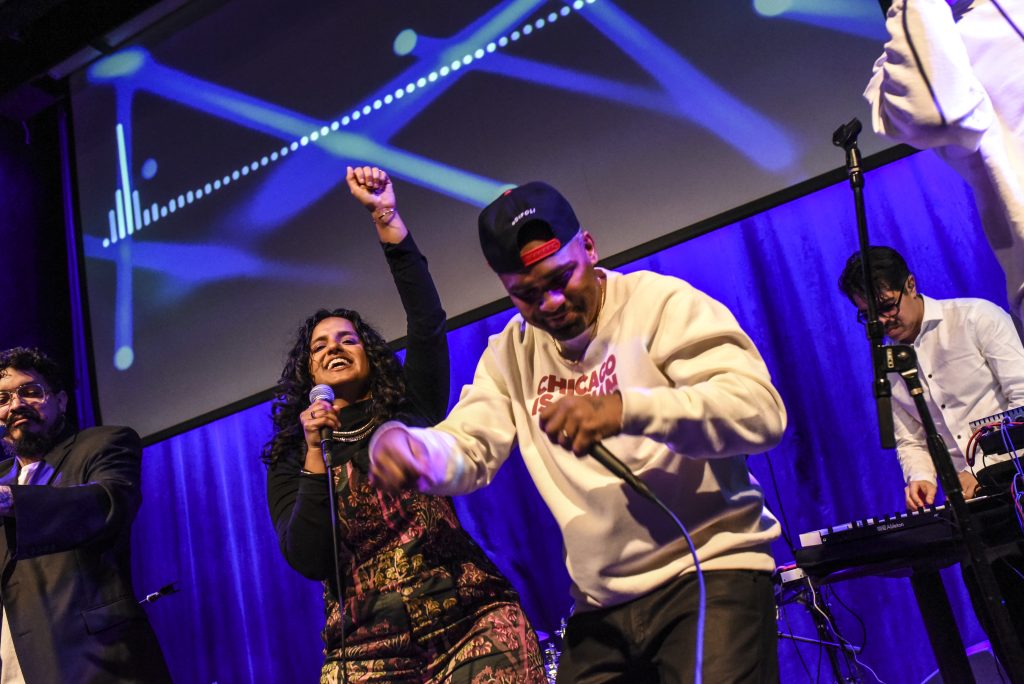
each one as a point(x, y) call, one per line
point(22, 412)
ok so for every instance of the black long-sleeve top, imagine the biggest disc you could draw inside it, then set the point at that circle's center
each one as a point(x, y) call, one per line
point(298, 503)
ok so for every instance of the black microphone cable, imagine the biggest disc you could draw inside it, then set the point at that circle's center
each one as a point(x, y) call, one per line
point(600, 453)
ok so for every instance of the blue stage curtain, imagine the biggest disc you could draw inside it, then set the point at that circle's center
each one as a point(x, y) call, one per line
point(243, 615)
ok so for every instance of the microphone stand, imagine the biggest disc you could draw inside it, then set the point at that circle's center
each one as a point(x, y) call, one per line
point(902, 359)
point(846, 137)
point(325, 449)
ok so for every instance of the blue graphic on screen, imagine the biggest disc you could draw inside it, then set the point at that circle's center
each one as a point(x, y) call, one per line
point(282, 159)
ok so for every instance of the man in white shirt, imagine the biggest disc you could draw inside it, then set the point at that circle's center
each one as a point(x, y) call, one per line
point(971, 362)
point(664, 376)
point(971, 366)
point(952, 79)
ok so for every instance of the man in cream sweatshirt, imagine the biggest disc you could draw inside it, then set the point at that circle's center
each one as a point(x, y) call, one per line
point(663, 376)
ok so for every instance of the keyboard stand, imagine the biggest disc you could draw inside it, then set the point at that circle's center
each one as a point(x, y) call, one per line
point(939, 623)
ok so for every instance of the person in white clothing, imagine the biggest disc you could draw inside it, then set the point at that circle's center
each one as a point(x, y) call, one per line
point(952, 79)
point(971, 366)
point(971, 362)
point(663, 375)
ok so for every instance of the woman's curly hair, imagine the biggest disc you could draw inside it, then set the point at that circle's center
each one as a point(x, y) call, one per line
point(387, 383)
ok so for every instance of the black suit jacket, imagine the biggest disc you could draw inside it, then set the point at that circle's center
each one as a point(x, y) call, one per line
point(66, 583)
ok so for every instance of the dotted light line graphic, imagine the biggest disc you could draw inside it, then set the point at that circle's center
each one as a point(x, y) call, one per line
point(156, 211)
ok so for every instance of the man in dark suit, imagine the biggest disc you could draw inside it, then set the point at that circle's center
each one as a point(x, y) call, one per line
point(67, 502)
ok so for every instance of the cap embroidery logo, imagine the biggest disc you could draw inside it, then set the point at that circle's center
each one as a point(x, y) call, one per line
point(523, 214)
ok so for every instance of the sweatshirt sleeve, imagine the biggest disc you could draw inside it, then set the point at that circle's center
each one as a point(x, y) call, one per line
point(923, 90)
point(463, 453)
point(718, 399)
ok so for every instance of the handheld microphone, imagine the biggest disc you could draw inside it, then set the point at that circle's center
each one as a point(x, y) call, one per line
point(600, 453)
point(327, 394)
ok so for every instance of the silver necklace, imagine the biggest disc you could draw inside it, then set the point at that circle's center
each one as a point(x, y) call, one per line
point(358, 434)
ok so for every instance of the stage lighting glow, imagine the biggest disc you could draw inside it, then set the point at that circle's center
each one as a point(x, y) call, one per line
point(124, 358)
point(120, 65)
point(772, 8)
point(852, 17)
point(405, 42)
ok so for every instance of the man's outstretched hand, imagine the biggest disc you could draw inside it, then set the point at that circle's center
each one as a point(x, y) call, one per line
point(397, 461)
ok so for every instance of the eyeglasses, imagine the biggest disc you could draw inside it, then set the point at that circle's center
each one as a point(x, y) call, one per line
point(29, 393)
point(884, 309)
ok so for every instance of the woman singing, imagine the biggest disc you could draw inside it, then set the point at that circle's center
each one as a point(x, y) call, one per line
point(422, 603)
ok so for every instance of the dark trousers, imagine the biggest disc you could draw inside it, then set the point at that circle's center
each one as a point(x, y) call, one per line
point(653, 638)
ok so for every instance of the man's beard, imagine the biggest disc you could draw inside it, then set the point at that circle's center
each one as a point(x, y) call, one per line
point(33, 444)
